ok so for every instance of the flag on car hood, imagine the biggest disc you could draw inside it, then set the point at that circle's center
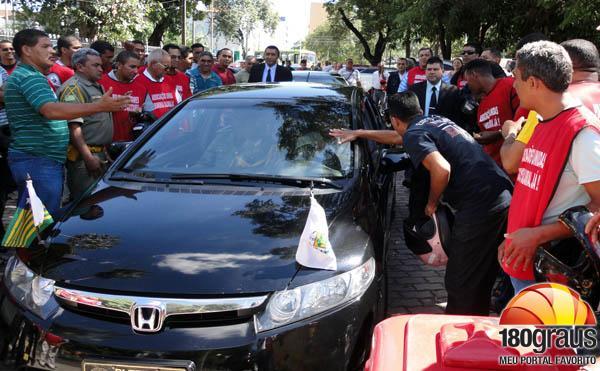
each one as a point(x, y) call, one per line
point(30, 219)
point(314, 249)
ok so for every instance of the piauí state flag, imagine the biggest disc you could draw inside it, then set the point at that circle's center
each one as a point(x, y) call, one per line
point(314, 249)
point(30, 214)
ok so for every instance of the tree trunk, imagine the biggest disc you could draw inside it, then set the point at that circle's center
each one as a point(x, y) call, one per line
point(373, 58)
point(159, 31)
point(407, 45)
point(482, 31)
point(445, 45)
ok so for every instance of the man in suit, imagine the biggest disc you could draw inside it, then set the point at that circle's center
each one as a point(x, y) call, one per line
point(395, 77)
point(436, 97)
point(270, 71)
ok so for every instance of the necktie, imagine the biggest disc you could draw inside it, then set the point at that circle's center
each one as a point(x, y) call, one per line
point(268, 74)
point(432, 102)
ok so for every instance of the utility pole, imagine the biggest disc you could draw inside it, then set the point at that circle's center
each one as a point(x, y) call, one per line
point(183, 21)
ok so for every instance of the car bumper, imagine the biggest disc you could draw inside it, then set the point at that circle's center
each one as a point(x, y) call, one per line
point(336, 340)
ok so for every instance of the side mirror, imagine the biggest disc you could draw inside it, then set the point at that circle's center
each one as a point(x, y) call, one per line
point(393, 161)
point(116, 148)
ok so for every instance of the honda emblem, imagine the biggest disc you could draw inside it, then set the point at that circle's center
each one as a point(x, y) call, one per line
point(147, 318)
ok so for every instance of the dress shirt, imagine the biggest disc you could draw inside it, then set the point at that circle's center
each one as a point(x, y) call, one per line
point(430, 86)
point(269, 69)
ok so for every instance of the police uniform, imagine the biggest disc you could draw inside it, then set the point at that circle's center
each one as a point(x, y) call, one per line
point(97, 130)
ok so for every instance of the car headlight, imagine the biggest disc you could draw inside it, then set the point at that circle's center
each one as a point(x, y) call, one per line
point(292, 305)
point(31, 290)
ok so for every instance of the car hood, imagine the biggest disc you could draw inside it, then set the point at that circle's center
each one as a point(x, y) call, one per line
point(201, 240)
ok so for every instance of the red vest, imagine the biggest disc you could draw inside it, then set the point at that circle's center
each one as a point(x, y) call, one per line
point(589, 94)
point(58, 75)
point(227, 77)
point(499, 105)
point(11, 69)
point(415, 75)
point(121, 124)
point(541, 167)
point(181, 82)
point(161, 94)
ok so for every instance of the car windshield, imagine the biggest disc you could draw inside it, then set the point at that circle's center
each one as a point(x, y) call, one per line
point(287, 138)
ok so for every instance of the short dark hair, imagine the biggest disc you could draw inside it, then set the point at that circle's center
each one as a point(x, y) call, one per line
point(583, 53)
point(206, 53)
point(168, 47)
point(137, 42)
point(102, 46)
point(481, 66)
point(273, 47)
point(126, 55)
point(495, 52)
point(425, 48)
point(185, 51)
point(436, 60)
point(221, 51)
point(404, 106)
point(530, 38)
point(197, 45)
point(303, 61)
point(64, 42)
point(546, 61)
point(27, 37)
point(475, 46)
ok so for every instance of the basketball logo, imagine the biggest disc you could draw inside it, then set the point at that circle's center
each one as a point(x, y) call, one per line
point(549, 304)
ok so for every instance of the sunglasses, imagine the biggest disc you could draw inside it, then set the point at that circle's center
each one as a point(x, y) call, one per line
point(468, 52)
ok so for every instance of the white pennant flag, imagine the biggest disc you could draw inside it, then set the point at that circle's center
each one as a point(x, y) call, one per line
point(314, 249)
point(37, 207)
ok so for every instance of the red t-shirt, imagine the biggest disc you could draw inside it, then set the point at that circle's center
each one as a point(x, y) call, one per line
point(497, 106)
point(461, 82)
point(588, 93)
point(181, 82)
point(122, 125)
point(415, 75)
point(227, 77)
point(160, 95)
point(58, 75)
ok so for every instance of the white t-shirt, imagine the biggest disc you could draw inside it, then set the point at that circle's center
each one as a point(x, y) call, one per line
point(375, 79)
point(582, 167)
point(352, 76)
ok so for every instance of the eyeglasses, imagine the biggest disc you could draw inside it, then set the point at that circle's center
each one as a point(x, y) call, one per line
point(8, 49)
point(468, 52)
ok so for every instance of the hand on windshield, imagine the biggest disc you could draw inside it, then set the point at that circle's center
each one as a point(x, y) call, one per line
point(343, 135)
point(592, 228)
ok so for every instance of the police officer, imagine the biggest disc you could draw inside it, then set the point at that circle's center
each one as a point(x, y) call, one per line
point(89, 135)
point(467, 180)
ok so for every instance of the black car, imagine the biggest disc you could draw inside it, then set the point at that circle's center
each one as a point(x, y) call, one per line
point(319, 77)
point(183, 256)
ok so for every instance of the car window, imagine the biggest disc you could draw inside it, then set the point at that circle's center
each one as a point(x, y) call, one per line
point(246, 136)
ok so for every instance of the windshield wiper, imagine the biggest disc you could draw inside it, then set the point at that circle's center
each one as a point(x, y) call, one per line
point(295, 181)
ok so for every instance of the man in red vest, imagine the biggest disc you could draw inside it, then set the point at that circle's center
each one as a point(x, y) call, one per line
point(122, 80)
point(499, 102)
point(221, 68)
point(179, 80)
point(417, 73)
point(161, 96)
point(560, 166)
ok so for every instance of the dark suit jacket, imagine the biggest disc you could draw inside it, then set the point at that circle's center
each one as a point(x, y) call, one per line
point(281, 73)
point(449, 104)
point(393, 83)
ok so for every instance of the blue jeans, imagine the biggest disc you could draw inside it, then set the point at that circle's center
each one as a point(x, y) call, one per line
point(47, 176)
point(519, 285)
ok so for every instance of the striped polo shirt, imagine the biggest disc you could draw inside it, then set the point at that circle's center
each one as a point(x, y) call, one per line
point(26, 91)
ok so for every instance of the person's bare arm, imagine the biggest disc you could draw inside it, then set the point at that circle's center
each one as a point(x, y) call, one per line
point(379, 136)
point(487, 137)
point(439, 173)
point(512, 149)
point(68, 111)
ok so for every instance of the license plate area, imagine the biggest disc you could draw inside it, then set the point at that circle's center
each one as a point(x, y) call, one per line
point(145, 365)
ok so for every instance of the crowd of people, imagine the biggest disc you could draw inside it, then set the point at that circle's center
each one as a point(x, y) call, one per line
point(507, 153)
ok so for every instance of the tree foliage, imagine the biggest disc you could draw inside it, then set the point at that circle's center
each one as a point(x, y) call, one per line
point(237, 19)
point(499, 23)
point(334, 44)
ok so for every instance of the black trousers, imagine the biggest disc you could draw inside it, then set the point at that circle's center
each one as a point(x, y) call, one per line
point(473, 263)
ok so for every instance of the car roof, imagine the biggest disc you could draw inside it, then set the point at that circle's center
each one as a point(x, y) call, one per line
point(282, 90)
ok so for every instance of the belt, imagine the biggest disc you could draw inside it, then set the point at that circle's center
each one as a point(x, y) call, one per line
point(73, 153)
